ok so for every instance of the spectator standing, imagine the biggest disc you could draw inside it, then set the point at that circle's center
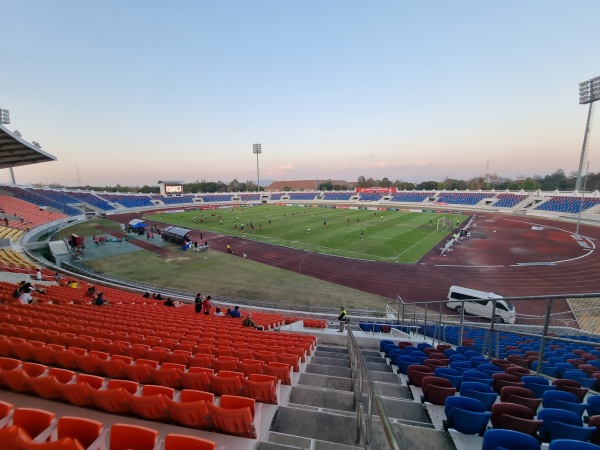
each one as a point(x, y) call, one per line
point(198, 303)
point(343, 318)
point(206, 305)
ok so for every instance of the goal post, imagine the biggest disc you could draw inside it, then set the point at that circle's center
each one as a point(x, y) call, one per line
point(441, 224)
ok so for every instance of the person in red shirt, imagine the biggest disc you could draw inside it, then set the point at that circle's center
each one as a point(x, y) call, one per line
point(206, 305)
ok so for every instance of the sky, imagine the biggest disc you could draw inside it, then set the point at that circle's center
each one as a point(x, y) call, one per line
point(132, 92)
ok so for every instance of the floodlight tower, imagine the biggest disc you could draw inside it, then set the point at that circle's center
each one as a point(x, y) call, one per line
point(589, 92)
point(4, 116)
point(257, 150)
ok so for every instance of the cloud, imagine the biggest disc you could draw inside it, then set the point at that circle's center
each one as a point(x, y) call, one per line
point(278, 171)
point(385, 165)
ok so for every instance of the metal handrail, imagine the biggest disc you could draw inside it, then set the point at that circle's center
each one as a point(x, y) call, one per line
point(358, 362)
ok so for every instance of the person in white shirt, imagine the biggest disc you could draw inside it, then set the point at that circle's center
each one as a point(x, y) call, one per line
point(38, 275)
point(218, 312)
point(25, 298)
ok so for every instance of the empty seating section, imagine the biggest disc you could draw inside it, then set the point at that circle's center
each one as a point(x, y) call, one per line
point(411, 197)
point(175, 200)
point(250, 197)
point(30, 428)
point(566, 204)
point(91, 199)
point(508, 200)
point(370, 197)
point(462, 198)
point(339, 196)
point(477, 391)
point(216, 198)
point(277, 196)
point(303, 195)
point(128, 200)
point(13, 209)
point(37, 197)
point(13, 261)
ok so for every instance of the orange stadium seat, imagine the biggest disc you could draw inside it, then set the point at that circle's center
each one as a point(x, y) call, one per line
point(114, 367)
point(262, 388)
point(86, 431)
point(234, 416)
point(47, 386)
point(191, 410)
point(37, 423)
point(226, 382)
point(150, 405)
point(197, 378)
point(281, 371)
point(168, 374)
point(124, 437)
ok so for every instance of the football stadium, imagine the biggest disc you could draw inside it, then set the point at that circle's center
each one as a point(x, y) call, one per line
point(407, 369)
point(297, 311)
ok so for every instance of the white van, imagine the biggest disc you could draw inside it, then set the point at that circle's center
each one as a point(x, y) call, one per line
point(478, 303)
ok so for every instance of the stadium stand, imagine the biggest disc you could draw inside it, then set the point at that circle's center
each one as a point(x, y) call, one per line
point(250, 197)
point(91, 199)
point(411, 197)
point(128, 201)
point(462, 198)
point(216, 198)
point(370, 197)
point(339, 196)
point(571, 205)
point(176, 200)
point(303, 195)
point(508, 200)
point(29, 197)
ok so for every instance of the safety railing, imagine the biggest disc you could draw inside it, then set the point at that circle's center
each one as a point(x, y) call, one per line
point(360, 378)
point(572, 319)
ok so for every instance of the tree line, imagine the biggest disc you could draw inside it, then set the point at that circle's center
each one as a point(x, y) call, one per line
point(555, 181)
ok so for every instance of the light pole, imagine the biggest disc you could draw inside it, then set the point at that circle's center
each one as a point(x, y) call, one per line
point(4, 116)
point(257, 150)
point(589, 92)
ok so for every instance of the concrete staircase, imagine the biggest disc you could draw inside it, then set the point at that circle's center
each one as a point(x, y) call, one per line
point(321, 412)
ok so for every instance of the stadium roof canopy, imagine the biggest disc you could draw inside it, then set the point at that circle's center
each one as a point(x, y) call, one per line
point(15, 151)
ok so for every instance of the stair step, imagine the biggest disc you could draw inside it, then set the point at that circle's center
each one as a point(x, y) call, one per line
point(322, 398)
point(324, 381)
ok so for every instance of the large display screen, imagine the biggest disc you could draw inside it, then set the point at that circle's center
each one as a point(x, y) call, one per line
point(172, 189)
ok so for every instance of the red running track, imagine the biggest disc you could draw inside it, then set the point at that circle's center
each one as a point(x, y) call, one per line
point(503, 255)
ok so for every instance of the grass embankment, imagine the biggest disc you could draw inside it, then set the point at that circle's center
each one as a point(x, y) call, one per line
point(220, 274)
point(388, 236)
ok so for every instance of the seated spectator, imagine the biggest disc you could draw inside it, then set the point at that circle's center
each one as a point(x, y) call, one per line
point(26, 299)
point(40, 289)
point(38, 275)
point(91, 292)
point(236, 313)
point(218, 312)
point(158, 297)
point(169, 302)
point(228, 313)
point(100, 301)
point(57, 278)
point(146, 295)
point(248, 322)
point(72, 284)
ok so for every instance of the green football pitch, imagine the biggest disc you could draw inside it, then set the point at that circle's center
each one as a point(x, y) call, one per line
point(389, 236)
